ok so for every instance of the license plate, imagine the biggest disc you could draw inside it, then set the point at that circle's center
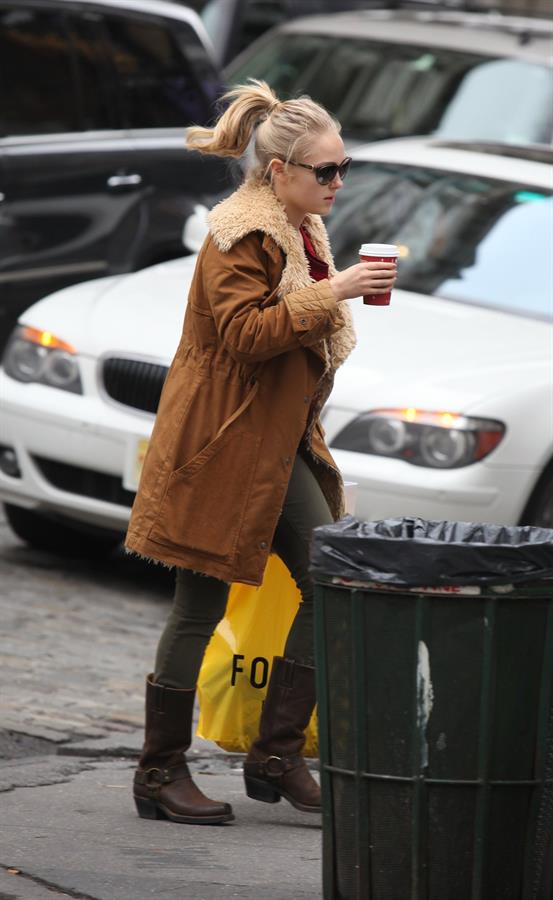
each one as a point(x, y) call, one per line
point(135, 460)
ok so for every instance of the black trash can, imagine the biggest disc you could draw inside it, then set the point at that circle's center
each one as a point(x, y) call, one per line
point(435, 699)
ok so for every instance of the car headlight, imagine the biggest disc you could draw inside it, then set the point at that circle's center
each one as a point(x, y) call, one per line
point(439, 440)
point(38, 356)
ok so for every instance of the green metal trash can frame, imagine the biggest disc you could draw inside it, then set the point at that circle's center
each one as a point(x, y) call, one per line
point(436, 740)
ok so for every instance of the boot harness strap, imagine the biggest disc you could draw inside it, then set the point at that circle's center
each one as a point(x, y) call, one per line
point(154, 778)
point(276, 766)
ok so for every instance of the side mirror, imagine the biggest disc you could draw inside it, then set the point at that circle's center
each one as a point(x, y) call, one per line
point(195, 229)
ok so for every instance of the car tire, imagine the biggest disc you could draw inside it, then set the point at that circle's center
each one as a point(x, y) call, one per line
point(59, 536)
point(539, 510)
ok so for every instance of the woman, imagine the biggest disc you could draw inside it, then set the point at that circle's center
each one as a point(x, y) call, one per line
point(237, 465)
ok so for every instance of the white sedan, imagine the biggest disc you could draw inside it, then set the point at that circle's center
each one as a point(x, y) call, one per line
point(444, 410)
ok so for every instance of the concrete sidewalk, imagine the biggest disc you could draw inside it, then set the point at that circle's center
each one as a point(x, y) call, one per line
point(81, 837)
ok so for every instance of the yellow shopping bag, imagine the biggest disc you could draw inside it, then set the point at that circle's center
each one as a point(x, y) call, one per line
point(236, 667)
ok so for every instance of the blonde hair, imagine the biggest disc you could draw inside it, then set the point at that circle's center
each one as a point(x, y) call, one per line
point(280, 128)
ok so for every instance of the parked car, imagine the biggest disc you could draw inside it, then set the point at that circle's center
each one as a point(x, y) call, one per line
point(232, 25)
point(443, 410)
point(445, 407)
point(395, 73)
point(94, 179)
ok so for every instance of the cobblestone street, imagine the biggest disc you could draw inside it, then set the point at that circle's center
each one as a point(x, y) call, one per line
point(78, 638)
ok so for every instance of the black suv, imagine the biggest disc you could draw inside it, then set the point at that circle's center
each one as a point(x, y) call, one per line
point(94, 177)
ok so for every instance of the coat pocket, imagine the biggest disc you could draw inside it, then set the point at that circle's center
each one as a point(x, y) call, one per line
point(206, 499)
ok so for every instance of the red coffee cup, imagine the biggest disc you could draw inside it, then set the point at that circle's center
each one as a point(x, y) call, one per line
point(378, 253)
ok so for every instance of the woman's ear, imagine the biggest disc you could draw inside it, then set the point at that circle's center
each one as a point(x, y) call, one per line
point(277, 170)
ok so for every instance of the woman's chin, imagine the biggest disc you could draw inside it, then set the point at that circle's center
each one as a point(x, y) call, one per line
point(321, 209)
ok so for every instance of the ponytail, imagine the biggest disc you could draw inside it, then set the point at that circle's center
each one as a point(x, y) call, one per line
point(250, 104)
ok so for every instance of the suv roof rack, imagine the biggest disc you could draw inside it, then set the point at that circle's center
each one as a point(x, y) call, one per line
point(469, 15)
point(512, 9)
point(532, 152)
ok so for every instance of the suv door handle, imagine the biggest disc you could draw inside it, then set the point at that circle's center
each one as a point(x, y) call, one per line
point(2, 196)
point(117, 182)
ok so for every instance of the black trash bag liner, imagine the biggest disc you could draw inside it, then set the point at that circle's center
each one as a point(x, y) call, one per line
point(413, 552)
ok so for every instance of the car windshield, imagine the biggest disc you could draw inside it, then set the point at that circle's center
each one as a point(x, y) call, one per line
point(382, 90)
point(461, 237)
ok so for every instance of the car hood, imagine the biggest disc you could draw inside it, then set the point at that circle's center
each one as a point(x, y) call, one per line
point(418, 350)
point(424, 350)
point(140, 313)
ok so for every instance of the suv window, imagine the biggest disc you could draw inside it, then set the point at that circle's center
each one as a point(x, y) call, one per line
point(160, 87)
point(95, 82)
point(461, 237)
point(37, 75)
point(382, 90)
point(52, 73)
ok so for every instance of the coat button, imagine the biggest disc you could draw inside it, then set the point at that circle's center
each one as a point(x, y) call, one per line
point(306, 399)
point(263, 545)
point(287, 460)
point(303, 321)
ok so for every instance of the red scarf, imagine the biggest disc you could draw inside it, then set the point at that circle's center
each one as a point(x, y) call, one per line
point(318, 269)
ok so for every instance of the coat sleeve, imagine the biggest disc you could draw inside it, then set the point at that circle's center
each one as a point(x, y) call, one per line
point(250, 324)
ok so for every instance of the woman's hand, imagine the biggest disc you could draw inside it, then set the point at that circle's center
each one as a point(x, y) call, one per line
point(364, 278)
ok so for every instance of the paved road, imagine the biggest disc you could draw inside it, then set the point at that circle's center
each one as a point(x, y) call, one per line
point(77, 640)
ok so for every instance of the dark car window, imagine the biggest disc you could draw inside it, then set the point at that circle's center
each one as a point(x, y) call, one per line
point(382, 90)
point(37, 74)
point(461, 237)
point(98, 109)
point(52, 74)
point(160, 86)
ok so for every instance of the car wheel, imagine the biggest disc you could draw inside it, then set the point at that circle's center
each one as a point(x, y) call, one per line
point(59, 536)
point(540, 508)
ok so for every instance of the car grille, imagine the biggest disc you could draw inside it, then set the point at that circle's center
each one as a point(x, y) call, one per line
point(134, 382)
point(85, 482)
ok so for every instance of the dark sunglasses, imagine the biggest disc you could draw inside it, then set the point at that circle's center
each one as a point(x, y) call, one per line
point(326, 173)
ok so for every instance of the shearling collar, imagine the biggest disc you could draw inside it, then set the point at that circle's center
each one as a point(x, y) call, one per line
point(255, 207)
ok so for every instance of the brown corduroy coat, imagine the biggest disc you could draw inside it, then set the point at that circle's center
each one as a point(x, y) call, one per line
point(254, 365)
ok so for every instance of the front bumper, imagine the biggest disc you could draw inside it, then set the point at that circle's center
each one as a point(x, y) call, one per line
point(76, 453)
point(476, 493)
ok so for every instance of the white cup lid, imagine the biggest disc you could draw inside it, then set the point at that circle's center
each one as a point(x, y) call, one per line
point(378, 250)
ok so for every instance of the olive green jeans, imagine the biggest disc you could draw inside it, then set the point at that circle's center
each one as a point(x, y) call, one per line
point(200, 600)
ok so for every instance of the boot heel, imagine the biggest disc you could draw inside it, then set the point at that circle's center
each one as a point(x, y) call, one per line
point(259, 790)
point(147, 809)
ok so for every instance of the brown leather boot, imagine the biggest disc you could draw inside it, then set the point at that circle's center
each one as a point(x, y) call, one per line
point(163, 786)
point(274, 767)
